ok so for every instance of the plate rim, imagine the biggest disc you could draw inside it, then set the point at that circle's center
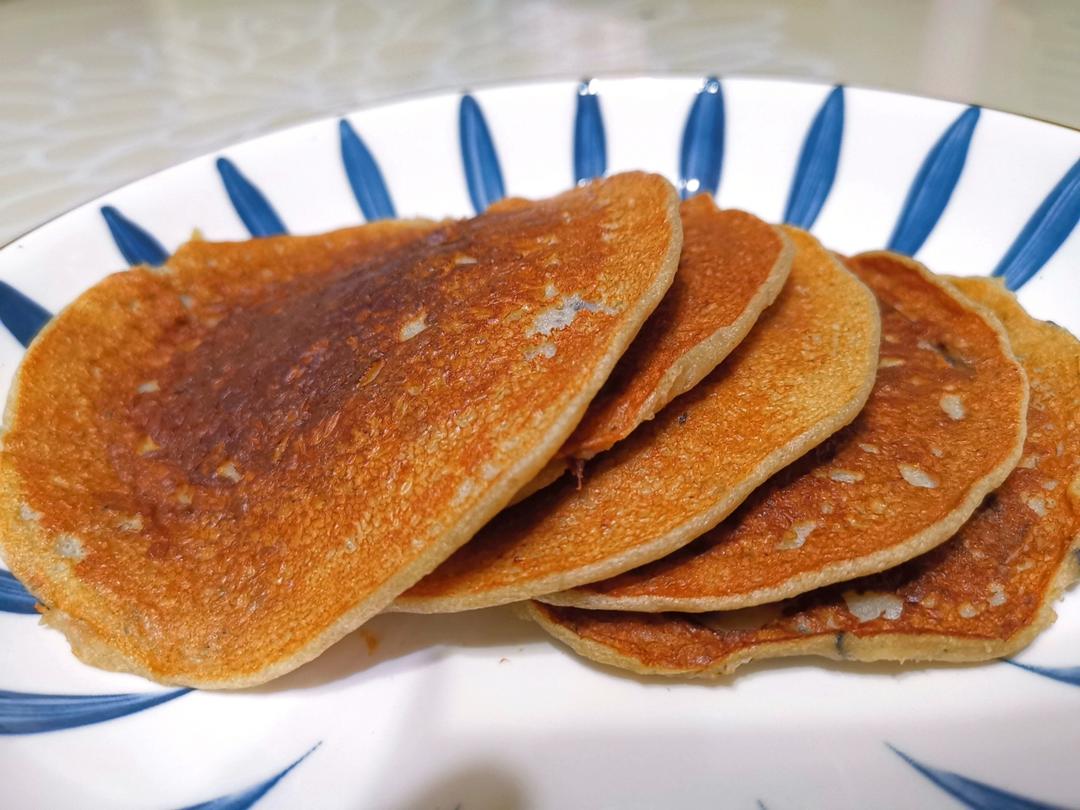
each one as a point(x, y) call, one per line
point(404, 100)
point(464, 89)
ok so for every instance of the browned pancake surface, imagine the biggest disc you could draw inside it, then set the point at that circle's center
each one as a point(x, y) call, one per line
point(985, 593)
point(732, 266)
point(213, 471)
point(804, 371)
point(943, 426)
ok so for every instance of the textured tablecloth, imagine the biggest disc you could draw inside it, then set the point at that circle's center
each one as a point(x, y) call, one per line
point(94, 94)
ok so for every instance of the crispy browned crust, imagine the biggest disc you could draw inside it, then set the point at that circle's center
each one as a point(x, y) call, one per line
point(985, 593)
point(950, 401)
point(803, 373)
point(212, 472)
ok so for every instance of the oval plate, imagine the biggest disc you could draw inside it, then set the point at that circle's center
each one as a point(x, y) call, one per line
point(481, 710)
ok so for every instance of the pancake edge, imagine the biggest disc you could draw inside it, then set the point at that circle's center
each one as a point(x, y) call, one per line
point(91, 647)
point(551, 472)
point(689, 530)
point(842, 646)
point(703, 358)
point(848, 646)
point(929, 538)
point(689, 369)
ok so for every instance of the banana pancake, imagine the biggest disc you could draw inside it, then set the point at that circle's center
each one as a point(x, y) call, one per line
point(804, 372)
point(213, 470)
point(732, 267)
point(943, 426)
point(985, 593)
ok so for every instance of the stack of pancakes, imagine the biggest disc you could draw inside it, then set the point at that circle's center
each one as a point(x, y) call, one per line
point(678, 437)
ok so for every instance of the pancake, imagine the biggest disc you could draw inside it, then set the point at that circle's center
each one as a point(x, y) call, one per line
point(984, 594)
point(213, 471)
point(552, 472)
point(943, 426)
point(733, 265)
point(803, 373)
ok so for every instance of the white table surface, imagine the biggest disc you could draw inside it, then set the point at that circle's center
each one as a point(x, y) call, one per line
point(94, 94)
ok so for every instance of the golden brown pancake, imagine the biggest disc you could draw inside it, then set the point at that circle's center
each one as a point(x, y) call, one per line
point(803, 373)
point(943, 426)
point(733, 265)
point(985, 593)
point(213, 471)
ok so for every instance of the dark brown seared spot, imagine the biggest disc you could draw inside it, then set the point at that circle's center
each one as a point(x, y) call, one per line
point(265, 386)
point(286, 436)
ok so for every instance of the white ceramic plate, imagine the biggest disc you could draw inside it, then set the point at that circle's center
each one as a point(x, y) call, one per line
point(481, 710)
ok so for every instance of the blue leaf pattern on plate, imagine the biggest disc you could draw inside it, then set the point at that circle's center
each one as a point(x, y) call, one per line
point(816, 169)
point(973, 794)
point(32, 713)
point(1043, 234)
point(702, 153)
point(364, 176)
point(241, 800)
point(934, 184)
point(701, 162)
point(257, 214)
point(22, 316)
point(1069, 675)
point(136, 245)
point(14, 598)
point(590, 144)
point(482, 172)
